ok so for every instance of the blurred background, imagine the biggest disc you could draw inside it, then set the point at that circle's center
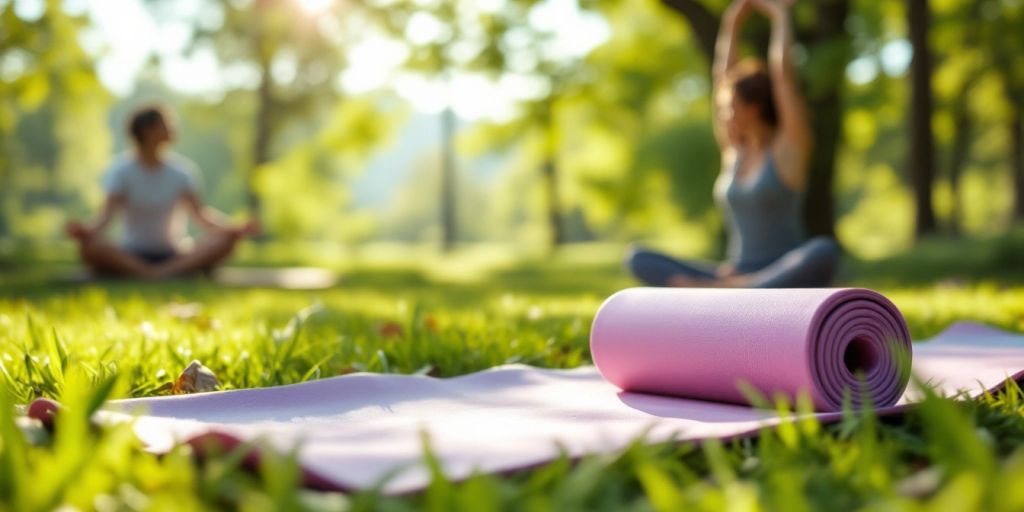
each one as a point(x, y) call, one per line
point(392, 128)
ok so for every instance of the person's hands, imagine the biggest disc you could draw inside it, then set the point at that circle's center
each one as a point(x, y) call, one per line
point(735, 281)
point(77, 230)
point(250, 228)
point(725, 270)
point(771, 7)
point(739, 9)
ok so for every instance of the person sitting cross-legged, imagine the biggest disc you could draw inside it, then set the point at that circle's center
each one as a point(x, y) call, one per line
point(151, 188)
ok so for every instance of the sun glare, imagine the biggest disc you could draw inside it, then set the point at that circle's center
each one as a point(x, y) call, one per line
point(315, 6)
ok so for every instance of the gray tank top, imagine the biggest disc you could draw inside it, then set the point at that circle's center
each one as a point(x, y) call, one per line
point(763, 216)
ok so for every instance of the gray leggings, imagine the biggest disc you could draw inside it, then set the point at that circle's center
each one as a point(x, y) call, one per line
point(813, 264)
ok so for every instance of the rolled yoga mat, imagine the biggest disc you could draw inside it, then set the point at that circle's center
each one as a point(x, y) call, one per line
point(703, 343)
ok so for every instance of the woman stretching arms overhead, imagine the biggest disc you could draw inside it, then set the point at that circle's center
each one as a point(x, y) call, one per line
point(762, 130)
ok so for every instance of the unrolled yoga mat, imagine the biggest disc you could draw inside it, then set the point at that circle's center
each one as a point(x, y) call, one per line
point(289, 278)
point(356, 430)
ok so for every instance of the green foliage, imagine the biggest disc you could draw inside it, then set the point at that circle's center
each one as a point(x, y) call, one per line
point(412, 216)
point(53, 141)
point(299, 54)
point(615, 127)
point(626, 124)
point(320, 170)
point(295, 139)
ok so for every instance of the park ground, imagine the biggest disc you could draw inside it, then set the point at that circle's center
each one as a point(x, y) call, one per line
point(85, 342)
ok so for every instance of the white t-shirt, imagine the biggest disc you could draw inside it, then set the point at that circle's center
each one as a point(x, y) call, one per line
point(152, 221)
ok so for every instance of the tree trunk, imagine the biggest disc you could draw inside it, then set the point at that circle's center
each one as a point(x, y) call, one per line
point(962, 127)
point(960, 153)
point(922, 142)
point(6, 183)
point(264, 106)
point(549, 171)
point(958, 158)
point(261, 141)
point(449, 233)
point(826, 108)
point(819, 206)
point(703, 23)
point(819, 201)
point(1017, 160)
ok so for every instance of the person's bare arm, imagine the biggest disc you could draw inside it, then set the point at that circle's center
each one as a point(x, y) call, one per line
point(726, 56)
point(796, 137)
point(214, 221)
point(112, 205)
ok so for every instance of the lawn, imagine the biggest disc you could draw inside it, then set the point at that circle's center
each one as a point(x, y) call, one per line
point(82, 343)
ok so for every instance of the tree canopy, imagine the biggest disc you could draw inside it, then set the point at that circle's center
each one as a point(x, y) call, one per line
point(608, 138)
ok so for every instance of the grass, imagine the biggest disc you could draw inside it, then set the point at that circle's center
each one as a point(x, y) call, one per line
point(82, 344)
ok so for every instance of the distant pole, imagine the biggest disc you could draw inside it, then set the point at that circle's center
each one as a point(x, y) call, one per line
point(549, 170)
point(264, 105)
point(449, 233)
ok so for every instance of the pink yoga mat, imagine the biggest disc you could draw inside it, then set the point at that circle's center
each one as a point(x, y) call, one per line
point(359, 431)
point(698, 343)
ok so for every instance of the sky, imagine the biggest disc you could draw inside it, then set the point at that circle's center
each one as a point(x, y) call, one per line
point(125, 36)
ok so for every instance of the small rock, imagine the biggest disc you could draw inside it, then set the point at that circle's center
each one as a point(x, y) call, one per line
point(195, 379)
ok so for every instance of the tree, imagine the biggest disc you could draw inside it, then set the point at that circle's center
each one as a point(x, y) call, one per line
point(963, 63)
point(305, 187)
point(605, 137)
point(1004, 39)
point(921, 157)
point(296, 56)
point(536, 129)
point(540, 117)
point(1017, 156)
point(959, 152)
point(433, 56)
point(549, 170)
point(471, 39)
point(53, 137)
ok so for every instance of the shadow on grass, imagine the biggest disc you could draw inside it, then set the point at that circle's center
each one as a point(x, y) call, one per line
point(941, 260)
point(997, 260)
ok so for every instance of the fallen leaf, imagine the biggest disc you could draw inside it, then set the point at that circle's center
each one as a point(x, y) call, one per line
point(148, 330)
point(206, 323)
point(390, 330)
point(184, 311)
point(954, 282)
point(195, 379)
point(920, 484)
point(430, 323)
point(535, 313)
point(192, 312)
point(430, 370)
